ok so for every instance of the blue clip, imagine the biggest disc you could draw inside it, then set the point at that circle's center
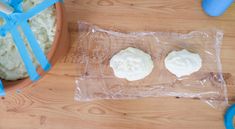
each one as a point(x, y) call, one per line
point(2, 92)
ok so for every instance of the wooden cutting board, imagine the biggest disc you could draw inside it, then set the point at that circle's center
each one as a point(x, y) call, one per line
point(49, 104)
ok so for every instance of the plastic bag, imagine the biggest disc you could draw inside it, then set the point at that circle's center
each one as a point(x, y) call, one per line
point(97, 46)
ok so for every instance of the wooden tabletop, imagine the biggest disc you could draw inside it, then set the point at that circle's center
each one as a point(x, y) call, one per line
point(50, 104)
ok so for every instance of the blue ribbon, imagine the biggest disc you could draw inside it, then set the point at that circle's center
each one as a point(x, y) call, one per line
point(19, 19)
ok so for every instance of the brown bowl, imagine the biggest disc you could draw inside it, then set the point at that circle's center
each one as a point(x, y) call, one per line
point(59, 48)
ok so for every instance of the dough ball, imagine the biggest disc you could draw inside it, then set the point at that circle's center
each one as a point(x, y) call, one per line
point(183, 63)
point(132, 64)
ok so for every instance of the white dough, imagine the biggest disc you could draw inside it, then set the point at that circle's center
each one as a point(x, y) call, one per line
point(132, 64)
point(183, 63)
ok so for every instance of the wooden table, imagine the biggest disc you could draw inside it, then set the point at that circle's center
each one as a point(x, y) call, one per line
point(49, 104)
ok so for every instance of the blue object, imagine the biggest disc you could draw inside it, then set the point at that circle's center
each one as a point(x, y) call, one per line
point(24, 54)
point(35, 47)
point(216, 7)
point(2, 92)
point(19, 19)
point(228, 117)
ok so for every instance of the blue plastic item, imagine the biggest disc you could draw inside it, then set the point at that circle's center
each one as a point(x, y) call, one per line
point(2, 92)
point(228, 117)
point(216, 7)
point(19, 19)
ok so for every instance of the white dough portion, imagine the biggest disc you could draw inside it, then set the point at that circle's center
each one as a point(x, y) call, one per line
point(132, 64)
point(183, 63)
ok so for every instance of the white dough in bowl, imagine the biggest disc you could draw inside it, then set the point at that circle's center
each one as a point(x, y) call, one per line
point(183, 63)
point(43, 26)
point(132, 64)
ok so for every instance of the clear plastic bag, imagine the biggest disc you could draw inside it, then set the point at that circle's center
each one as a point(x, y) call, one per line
point(97, 46)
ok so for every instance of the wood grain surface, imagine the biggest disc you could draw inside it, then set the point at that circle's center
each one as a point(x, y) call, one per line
point(49, 104)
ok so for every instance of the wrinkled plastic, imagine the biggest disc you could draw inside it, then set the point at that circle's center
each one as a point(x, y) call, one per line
point(97, 46)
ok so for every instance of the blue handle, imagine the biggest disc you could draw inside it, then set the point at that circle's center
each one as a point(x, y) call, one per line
point(2, 92)
point(35, 47)
point(24, 55)
point(228, 117)
point(216, 7)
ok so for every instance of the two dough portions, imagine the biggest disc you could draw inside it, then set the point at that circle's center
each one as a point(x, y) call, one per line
point(134, 64)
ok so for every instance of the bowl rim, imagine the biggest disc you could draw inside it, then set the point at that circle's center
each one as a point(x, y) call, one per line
point(22, 83)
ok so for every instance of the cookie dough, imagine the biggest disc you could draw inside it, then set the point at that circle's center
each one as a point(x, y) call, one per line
point(132, 64)
point(183, 63)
